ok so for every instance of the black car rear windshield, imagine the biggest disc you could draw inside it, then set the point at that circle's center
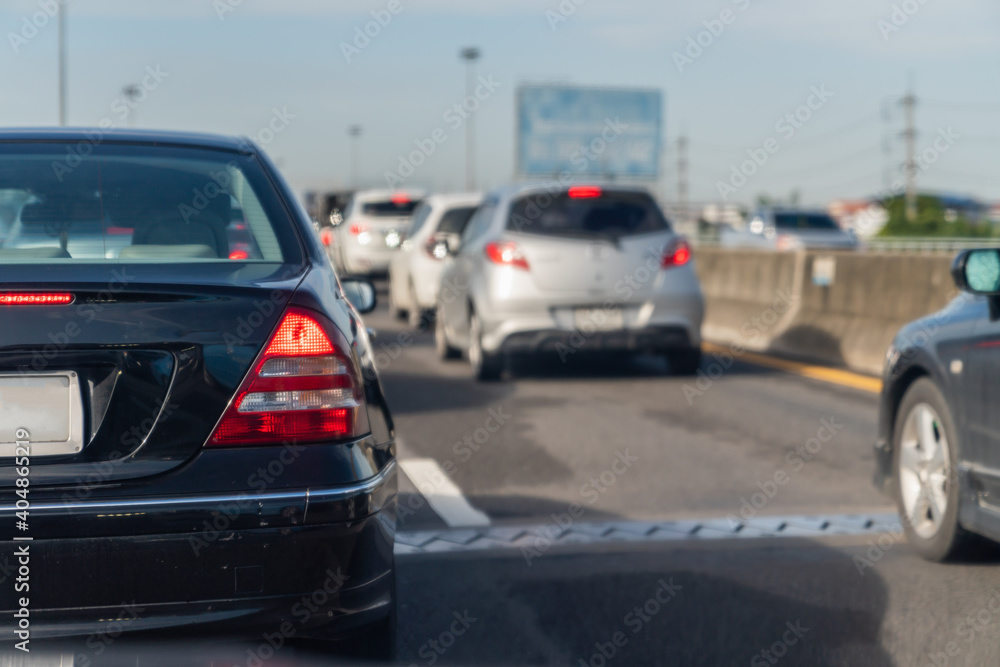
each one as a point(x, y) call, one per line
point(389, 209)
point(138, 204)
point(804, 222)
point(609, 213)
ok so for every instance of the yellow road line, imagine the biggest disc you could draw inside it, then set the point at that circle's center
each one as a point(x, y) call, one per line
point(832, 375)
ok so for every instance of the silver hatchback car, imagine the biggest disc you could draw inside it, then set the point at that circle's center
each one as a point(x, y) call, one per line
point(569, 269)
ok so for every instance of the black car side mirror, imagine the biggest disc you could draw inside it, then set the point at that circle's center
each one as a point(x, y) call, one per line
point(978, 271)
point(360, 294)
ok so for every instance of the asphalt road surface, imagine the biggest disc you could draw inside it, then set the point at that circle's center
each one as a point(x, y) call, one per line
point(803, 446)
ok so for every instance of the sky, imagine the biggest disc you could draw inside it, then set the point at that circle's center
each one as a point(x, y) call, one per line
point(277, 70)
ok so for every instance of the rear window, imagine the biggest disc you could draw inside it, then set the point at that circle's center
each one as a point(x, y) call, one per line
point(389, 209)
point(804, 221)
point(609, 214)
point(137, 204)
point(455, 220)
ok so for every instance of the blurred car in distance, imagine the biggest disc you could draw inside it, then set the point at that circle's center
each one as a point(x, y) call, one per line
point(789, 229)
point(415, 271)
point(569, 269)
point(372, 230)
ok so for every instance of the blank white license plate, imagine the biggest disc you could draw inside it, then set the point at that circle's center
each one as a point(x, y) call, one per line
point(598, 319)
point(48, 406)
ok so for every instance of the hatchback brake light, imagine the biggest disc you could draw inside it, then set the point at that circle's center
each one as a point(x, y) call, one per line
point(585, 192)
point(357, 229)
point(677, 253)
point(304, 387)
point(506, 253)
point(35, 299)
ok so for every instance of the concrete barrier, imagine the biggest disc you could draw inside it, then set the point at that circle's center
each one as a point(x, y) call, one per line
point(834, 308)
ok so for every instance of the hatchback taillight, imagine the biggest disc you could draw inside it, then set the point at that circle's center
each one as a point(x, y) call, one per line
point(304, 387)
point(677, 253)
point(506, 253)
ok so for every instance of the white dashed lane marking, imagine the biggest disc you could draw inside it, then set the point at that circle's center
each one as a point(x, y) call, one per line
point(442, 495)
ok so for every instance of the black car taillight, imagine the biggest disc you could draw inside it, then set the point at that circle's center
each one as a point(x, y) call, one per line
point(304, 387)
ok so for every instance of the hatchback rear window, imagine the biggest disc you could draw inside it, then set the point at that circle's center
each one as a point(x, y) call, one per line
point(389, 209)
point(608, 213)
point(137, 204)
point(804, 221)
point(455, 220)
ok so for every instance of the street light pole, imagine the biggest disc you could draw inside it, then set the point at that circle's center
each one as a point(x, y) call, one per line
point(354, 131)
point(470, 55)
point(131, 93)
point(62, 64)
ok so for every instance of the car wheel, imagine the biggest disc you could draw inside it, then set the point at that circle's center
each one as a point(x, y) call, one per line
point(417, 316)
point(925, 457)
point(684, 362)
point(445, 350)
point(395, 312)
point(486, 367)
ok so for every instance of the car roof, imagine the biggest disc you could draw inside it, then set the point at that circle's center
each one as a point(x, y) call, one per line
point(127, 136)
point(385, 193)
point(516, 190)
point(456, 199)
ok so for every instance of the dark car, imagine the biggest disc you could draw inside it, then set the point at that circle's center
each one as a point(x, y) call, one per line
point(938, 451)
point(192, 431)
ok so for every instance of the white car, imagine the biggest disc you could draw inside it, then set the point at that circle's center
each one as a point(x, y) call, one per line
point(372, 231)
point(415, 272)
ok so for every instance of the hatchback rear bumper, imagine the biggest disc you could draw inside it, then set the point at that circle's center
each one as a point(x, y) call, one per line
point(650, 339)
point(317, 579)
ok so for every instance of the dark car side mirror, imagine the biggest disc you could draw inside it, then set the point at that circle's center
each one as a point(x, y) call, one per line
point(360, 294)
point(978, 271)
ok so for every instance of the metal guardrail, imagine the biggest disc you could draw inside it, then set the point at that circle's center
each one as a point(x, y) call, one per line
point(898, 244)
point(916, 244)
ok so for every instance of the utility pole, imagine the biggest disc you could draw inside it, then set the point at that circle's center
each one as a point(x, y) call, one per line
point(470, 55)
point(910, 136)
point(682, 177)
point(131, 93)
point(62, 64)
point(354, 131)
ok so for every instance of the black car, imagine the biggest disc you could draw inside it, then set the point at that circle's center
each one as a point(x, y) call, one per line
point(938, 451)
point(192, 434)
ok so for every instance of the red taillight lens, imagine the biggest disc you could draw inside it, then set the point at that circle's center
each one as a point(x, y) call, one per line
point(676, 254)
point(506, 253)
point(304, 387)
point(239, 255)
point(26, 299)
point(358, 229)
point(326, 236)
point(585, 192)
point(400, 199)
